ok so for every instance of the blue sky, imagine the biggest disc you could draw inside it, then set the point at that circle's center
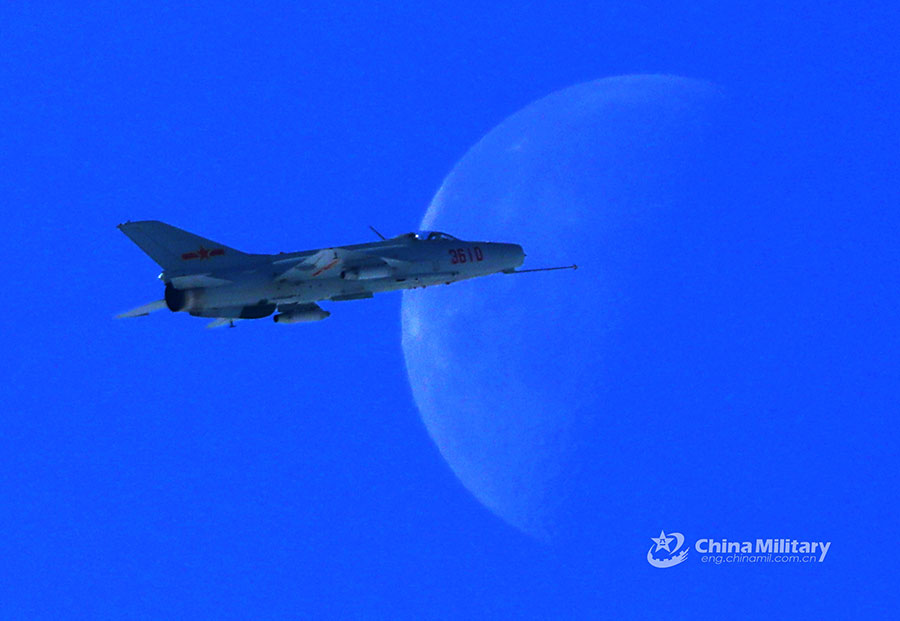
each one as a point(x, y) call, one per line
point(155, 469)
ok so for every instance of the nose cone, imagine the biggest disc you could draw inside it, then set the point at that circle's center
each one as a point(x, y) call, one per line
point(515, 254)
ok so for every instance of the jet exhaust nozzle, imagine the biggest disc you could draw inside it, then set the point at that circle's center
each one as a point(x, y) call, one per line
point(305, 316)
point(178, 300)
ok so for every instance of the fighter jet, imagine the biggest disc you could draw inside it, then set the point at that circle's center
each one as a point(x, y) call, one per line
point(207, 279)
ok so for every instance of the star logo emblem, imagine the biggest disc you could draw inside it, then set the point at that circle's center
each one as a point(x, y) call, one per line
point(668, 550)
point(203, 253)
point(662, 542)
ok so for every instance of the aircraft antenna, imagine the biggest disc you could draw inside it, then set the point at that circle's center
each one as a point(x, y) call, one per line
point(543, 269)
point(374, 230)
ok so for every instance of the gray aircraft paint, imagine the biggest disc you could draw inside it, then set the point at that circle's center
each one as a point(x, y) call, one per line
point(208, 279)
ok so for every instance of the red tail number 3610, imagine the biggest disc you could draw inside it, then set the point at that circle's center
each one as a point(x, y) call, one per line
point(465, 255)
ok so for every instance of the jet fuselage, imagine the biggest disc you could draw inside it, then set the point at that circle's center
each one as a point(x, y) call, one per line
point(207, 279)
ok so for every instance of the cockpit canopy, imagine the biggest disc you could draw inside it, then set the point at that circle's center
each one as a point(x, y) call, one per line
point(433, 235)
point(426, 236)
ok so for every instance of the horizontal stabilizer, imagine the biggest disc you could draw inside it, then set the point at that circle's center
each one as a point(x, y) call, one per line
point(146, 309)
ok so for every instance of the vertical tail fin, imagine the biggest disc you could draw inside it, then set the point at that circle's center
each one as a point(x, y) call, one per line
point(175, 249)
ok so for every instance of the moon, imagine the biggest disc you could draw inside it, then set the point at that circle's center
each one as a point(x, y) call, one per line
point(545, 393)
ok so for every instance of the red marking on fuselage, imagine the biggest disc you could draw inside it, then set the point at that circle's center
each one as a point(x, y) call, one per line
point(326, 268)
point(202, 253)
